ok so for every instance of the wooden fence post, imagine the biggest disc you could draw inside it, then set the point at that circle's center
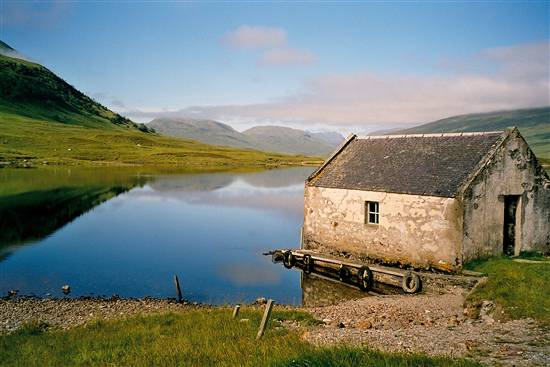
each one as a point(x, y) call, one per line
point(236, 310)
point(265, 318)
point(178, 289)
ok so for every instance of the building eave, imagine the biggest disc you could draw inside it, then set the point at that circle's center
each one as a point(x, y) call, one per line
point(338, 150)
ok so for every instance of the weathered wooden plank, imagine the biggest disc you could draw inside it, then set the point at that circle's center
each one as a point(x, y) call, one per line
point(236, 310)
point(265, 318)
point(178, 289)
point(377, 269)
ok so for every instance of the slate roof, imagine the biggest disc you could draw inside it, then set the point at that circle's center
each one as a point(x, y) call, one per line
point(429, 164)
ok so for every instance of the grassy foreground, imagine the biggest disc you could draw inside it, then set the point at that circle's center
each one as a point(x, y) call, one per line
point(51, 143)
point(205, 337)
point(520, 287)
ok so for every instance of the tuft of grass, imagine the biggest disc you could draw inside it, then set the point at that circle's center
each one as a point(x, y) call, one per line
point(203, 337)
point(33, 328)
point(532, 255)
point(521, 288)
point(301, 317)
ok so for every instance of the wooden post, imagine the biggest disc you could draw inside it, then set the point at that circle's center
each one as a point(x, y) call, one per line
point(265, 318)
point(178, 289)
point(236, 310)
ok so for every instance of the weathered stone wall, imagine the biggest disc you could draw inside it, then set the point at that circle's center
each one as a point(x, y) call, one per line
point(417, 230)
point(512, 171)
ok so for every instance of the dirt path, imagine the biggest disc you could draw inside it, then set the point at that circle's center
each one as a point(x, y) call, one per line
point(433, 324)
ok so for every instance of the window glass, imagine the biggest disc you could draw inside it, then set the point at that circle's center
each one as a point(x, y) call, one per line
point(372, 214)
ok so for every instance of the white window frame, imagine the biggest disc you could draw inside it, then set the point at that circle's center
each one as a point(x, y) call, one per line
point(375, 211)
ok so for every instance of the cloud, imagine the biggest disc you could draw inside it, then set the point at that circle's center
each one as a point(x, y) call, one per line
point(255, 37)
point(273, 43)
point(286, 56)
point(494, 79)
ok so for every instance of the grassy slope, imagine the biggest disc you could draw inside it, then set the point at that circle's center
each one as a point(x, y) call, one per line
point(29, 89)
point(533, 123)
point(41, 141)
point(521, 288)
point(42, 118)
point(191, 338)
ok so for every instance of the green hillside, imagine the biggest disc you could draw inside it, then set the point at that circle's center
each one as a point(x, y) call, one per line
point(46, 121)
point(26, 141)
point(30, 90)
point(533, 123)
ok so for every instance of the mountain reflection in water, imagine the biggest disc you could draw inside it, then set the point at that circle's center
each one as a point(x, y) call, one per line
point(126, 232)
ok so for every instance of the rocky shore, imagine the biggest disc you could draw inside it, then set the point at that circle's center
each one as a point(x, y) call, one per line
point(425, 323)
point(66, 312)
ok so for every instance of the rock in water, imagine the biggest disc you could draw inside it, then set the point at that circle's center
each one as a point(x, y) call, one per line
point(13, 293)
point(66, 289)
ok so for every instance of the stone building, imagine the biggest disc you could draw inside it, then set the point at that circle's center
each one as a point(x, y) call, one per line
point(430, 200)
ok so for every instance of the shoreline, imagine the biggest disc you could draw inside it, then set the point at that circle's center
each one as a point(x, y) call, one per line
point(66, 313)
point(432, 324)
point(169, 167)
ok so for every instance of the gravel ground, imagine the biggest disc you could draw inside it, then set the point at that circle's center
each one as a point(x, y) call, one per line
point(433, 324)
point(66, 313)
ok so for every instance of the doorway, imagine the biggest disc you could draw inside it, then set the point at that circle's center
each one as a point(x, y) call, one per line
point(510, 212)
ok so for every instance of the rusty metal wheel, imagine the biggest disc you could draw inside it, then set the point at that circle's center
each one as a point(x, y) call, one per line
point(366, 279)
point(308, 264)
point(277, 256)
point(343, 273)
point(411, 282)
point(288, 259)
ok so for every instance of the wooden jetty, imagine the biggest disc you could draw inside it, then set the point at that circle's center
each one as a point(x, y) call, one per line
point(365, 277)
point(374, 278)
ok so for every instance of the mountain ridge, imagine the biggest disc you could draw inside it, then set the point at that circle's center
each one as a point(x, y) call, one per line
point(266, 138)
point(533, 123)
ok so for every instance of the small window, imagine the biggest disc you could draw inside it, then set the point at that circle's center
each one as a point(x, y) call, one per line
point(372, 214)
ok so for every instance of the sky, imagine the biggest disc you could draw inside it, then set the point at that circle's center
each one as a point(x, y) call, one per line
point(350, 66)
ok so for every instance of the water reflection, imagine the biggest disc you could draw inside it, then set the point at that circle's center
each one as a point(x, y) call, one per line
point(127, 232)
point(36, 207)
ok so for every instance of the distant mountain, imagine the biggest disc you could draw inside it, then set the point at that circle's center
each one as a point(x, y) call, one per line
point(288, 140)
point(533, 123)
point(330, 137)
point(28, 89)
point(267, 138)
point(207, 131)
point(384, 132)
